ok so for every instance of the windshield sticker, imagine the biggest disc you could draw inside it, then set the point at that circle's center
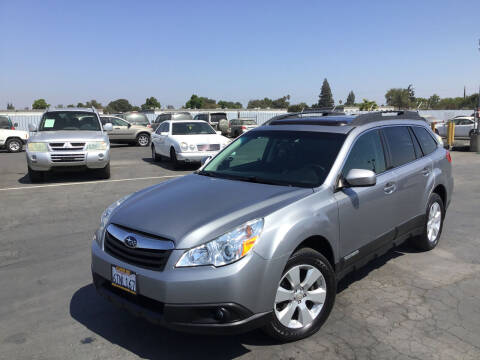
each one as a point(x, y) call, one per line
point(49, 123)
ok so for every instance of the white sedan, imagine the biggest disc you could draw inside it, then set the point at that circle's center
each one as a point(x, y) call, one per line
point(186, 141)
point(464, 127)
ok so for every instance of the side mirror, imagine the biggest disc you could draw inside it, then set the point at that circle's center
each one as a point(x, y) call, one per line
point(32, 127)
point(129, 125)
point(360, 177)
point(206, 160)
point(108, 127)
point(15, 125)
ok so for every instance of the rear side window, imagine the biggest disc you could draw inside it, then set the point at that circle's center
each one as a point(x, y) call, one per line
point(425, 139)
point(5, 123)
point(400, 145)
point(367, 153)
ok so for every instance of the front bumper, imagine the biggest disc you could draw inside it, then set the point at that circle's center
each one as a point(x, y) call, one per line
point(195, 156)
point(188, 298)
point(44, 161)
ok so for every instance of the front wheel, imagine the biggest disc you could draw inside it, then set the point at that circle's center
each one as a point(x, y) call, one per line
point(173, 158)
point(432, 230)
point(305, 296)
point(104, 173)
point(155, 156)
point(143, 140)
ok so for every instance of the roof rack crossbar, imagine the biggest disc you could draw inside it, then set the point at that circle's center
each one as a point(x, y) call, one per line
point(386, 115)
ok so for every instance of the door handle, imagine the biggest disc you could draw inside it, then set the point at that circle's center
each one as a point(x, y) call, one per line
point(390, 188)
point(426, 171)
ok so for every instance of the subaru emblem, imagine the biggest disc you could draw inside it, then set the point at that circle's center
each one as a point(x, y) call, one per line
point(131, 242)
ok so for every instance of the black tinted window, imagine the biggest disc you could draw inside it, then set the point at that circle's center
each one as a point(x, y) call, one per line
point(400, 145)
point(5, 123)
point(425, 139)
point(367, 153)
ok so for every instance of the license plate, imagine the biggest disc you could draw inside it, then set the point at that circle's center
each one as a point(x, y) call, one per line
point(124, 279)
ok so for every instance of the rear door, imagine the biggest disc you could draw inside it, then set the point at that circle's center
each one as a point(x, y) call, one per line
point(366, 213)
point(414, 175)
point(120, 130)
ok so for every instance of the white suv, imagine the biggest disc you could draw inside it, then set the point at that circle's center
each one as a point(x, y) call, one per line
point(10, 138)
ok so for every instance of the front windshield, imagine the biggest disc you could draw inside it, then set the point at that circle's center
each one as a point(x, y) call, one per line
point(140, 119)
point(192, 128)
point(69, 120)
point(291, 158)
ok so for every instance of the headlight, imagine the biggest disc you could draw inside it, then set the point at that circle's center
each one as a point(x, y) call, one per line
point(37, 147)
point(225, 249)
point(184, 146)
point(97, 145)
point(107, 214)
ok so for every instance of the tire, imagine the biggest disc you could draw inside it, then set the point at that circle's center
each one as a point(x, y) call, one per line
point(143, 139)
point(432, 230)
point(155, 156)
point(173, 158)
point(14, 145)
point(35, 176)
point(304, 319)
point(104, 173)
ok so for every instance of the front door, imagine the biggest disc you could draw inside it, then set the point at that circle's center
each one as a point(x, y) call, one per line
point(365, 213)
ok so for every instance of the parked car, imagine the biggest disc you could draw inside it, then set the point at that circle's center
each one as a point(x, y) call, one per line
point(464, 127)
point(135, 118)
point(186, 141)
point(213, 118)
point(236, 127)
point(68, 138)
point(124, 132)
point(179, 115)
point(11, 139)
point(260, 235)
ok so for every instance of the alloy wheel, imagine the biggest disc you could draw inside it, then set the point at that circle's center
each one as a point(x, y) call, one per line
point(434, 222)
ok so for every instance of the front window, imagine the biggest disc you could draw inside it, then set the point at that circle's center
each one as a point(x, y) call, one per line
point(139, 119)
point(192, 128)
point(69, 120)
point(5, 122)
point(367, 153)
point(289, 158)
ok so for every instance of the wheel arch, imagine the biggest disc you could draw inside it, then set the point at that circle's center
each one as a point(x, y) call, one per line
point(441, 191)
point(320, 244)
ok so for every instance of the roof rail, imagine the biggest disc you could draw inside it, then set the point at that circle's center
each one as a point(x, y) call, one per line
point(385, 115)
point(317, 112)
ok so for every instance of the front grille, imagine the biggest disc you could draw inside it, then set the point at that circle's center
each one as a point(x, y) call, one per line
point(146, 258)
point(208, 147)
point(61, 158)
point(68, 146)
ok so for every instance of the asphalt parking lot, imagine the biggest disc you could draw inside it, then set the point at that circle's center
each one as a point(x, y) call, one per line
point(404, 305)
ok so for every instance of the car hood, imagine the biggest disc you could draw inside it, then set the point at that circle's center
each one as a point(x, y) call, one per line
point(67, 136)
point(195, 209)
point(201, 139)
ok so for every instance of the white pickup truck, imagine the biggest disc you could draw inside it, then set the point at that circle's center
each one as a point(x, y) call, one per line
point(10, 138)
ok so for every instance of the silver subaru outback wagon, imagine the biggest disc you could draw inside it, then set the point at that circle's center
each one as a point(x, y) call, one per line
point(260, 235)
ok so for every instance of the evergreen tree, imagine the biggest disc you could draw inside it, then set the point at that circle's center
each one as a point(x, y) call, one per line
point(350, 99)
point(325, 98)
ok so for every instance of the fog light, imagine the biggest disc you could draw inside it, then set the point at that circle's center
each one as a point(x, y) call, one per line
point(221, 314)
point(34, 158)
point(100, 156)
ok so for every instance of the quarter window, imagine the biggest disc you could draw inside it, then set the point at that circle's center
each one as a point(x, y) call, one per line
point(425, 139)
point(367, 153)
point(400, 145)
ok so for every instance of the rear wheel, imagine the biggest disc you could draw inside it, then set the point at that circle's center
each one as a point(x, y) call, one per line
point(143, 139)
point(435, 214)
point(14, 145)
point(35, 176)
point(305, 296)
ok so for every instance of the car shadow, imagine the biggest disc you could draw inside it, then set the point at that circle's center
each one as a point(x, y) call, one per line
point(151, 341)
point(167, 165)
point(62, 177)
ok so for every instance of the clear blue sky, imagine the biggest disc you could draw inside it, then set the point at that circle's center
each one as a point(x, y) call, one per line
point(71, 51)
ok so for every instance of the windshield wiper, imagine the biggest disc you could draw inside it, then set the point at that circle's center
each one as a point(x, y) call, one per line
point(256, 179)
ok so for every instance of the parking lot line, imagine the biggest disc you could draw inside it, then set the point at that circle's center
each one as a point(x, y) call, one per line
point(89, 182)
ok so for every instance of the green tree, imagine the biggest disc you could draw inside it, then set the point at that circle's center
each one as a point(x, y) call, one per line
point(281, 103)
point(325, 98)
point(229, 104)
point(60, 106)
point(399, 98)
point(368, 105)
point(135, 108)
point(70, 106)
point(433, 101)
point(93, 103)
point(40, 104)
point(80, 105)
point(119, 105)
point(350, 99)
point(297, 107)
point(10, 106)
point(194, 103)
point(151, 103)
point(170, 107)
point(260, 103)
point(411, 94)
